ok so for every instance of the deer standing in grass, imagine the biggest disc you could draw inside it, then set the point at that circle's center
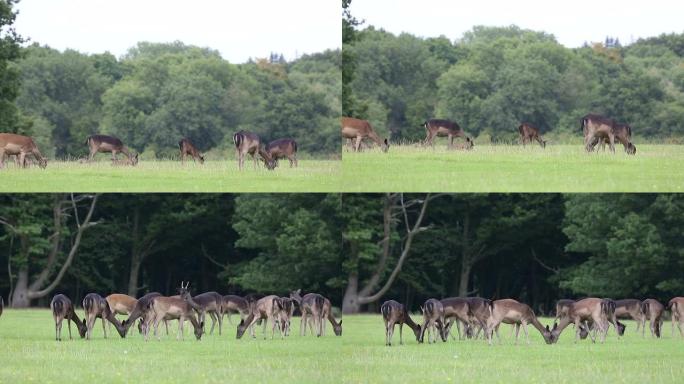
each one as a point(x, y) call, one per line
point(528, 133)
point(440, 128)
point(104, 143)
point(600, 312)
point(267, 309)
point(121, 304)
point(395, 313)
point(676, 307)
point(315, 309)
point(234, 304)
point(630, 308)
point(161, 308)
point(510, 311)
point(208, 302)
point(139, 311)
point(285, 314)
point(456, 311)
point(96, 306)
point(433, 321)
point(248, 143)
point(20, 146)
point(62, 308)
point(653, 311)
point(281, 149)
point(358, 130)
point(187, 148)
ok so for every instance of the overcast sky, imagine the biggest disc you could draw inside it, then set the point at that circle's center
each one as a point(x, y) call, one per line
point(239, 29)
point(572, 22)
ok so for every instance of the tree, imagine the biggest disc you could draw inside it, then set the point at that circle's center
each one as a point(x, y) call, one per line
point(9, 75)
point(46, 228)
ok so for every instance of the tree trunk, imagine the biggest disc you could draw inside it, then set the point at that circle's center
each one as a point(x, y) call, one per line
point(466, 267)
point(350, 302)
point(136, 259)
point(466, 262)
point(20, 296)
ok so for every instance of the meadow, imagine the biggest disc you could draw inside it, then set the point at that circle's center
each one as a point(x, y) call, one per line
point(312, 175)
point(30, 354)
point(514, 168)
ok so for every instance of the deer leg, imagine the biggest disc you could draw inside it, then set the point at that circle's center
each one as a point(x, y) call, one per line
point(451, 141)
point(22, 159)
point(358, 144)
point(611, 143)
point(104, 328)
point(213, 322)
point(220, 321)
point(527, 338)
point(302, 324)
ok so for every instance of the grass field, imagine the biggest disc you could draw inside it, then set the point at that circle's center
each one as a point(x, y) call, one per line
point(172, 176)
point(507, 168)
point(30, 354)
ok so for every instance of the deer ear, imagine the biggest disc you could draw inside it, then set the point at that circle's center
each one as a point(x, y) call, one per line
point(547, 328)
point(340, 322)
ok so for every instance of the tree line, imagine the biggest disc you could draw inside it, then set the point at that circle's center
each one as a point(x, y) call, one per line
point(356, 249)
point(493, 78)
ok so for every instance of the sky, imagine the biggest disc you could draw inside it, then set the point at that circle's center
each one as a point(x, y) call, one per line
point(571, 22)
point(238, 29)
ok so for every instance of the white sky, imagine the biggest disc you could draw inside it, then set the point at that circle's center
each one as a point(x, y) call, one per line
point(571, 22)
point(238, 29)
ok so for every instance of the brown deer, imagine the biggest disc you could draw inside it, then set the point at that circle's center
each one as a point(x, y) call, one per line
point(456, 311)
point(358, 130)
point(676, 307)
point(630, 308)
point(104, 143)
point(121, 304)
point(528, 133)
point(562, 308)
point(433, 321)
point(510, 311)
point(441, 128)
point(652, 310)
point(248, 143)
point(186, 148)
point(208, 302)
point(20, 146)
point(267, 308)
point(62, 308)
point(285, 314)
point(315, 308)
point(592, 126)
point(280, 149)
point(600, 312)
point(623, 134)
point(235, 304)
point(395, 313)
point(480, 310)
point(96, 306)
point(139, 311)
point(161, 308)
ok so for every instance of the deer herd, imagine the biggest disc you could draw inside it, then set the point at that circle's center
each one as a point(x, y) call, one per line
point(591, 317)
point(24, 147)
point(153, 308)
point(597, 130)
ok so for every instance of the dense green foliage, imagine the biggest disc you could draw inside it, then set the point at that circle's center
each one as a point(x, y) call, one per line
point(492, 78)
point(9, 76)
point(532, 247)
point(158, 93)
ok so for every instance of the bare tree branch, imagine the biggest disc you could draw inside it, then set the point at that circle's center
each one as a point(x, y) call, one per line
point(208, 257)
point(534, 256)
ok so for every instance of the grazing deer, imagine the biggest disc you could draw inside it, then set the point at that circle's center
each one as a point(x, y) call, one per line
point(652, 310)
point(62, 308)
point(315, 308)
point(234, 304)
point(162, 308)
point(510, 311)
point(248, 143)
point(562, 308)
point(623, 134)
point(676, 307)
point(358, 130)
point(104, 143)
point(395, 313)
point(285, 314)
point(20, 146)
point(456, 311)
point(600, 312)
point(441, 128)
point(121, 304)
point(480, 311)
point(96, 306)
point(433, 321)
point(280, 149)
point(186, 148)
point(630, 308)
point(208, 302)
point(139, 311)
point(528, 133)
point(267, 308)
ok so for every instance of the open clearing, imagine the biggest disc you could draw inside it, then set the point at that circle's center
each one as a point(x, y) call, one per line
point(172, 176)
point(508, 168)
point(30, 354)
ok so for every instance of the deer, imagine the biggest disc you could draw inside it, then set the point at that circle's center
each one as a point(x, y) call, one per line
point(394, 313)
point(480, 310)
point(248, 143)
point(161, 308)
point(104, 143)
point(528, 133)
point(652, 310)
point(441, 128)
point(280, 149)
point(433, 321)
point(186, 148)
point(315, 308)
point(623, 134)
point(267, 308)
point(358, 130)
point(510, 311)
point(456, 311)
point(208, 302)
point(630, 308)
point(140, 311)
point(96, 306)
point(121, 304)
point(562, 308)
point(20, 146)
point(233, 304)
point(600, 312)
point(285, 314)
point(676, 307)
point(62, 308)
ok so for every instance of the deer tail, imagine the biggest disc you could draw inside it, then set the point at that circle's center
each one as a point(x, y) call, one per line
point(88, 304)
point(644, 307)
point(237, 138)
point(294, 144)
point(430, 307)
point(57, 307)
point(385, 310)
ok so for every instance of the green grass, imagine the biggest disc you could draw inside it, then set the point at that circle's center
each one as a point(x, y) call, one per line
point(508, 168)
point(30, 354)
point(632, 359)
point(171, 176)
